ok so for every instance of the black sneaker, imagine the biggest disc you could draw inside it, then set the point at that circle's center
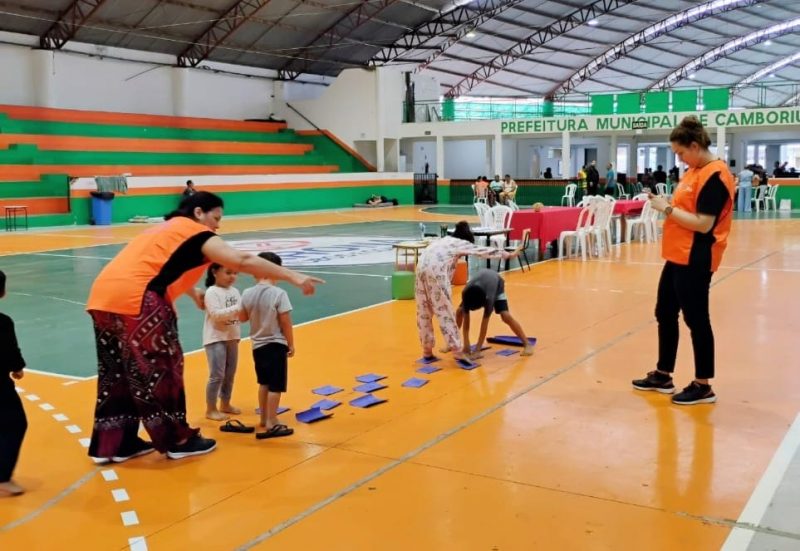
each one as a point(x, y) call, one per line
point(196, 445)
point(695, 393)
point(657, 381)
point(138, 448)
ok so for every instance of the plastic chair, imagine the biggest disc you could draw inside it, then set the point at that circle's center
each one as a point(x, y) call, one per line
point(501, 220)
point(771, 197)
point(569, 195)
point(760, 198)
point(524, 243)
point(581, 233)
point(621, 192)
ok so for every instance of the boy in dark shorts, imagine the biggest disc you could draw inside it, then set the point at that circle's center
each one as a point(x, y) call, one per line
point(268, 309)
point(487, 290)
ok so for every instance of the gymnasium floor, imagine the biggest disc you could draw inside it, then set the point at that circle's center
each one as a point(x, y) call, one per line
point(555, 451)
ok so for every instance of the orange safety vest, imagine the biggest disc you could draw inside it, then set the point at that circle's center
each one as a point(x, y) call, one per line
point(122, 283)
point(676, 245)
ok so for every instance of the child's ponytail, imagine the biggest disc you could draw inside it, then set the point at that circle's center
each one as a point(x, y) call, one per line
point(211, 274)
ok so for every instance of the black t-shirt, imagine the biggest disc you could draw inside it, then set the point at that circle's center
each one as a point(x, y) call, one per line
point(189, 255)
point(9, 348)
point(712, 200)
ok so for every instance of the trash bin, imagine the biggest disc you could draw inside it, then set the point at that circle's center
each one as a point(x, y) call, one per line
point(101, 207)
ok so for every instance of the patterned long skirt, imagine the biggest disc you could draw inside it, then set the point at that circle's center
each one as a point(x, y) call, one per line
point(140, 378)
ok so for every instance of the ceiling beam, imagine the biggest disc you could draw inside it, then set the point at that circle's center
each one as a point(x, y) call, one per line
point(663, 27)
point(340, 30)
point(761, 73)
point(220, 30)
point(720, 52)
point(532, 42)
point(69, 21)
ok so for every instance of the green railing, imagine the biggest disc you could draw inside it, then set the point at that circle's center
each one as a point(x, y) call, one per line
point(670, 101)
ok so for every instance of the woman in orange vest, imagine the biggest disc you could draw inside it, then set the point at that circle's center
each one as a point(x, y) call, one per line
point(695, 236)
point(140, 361)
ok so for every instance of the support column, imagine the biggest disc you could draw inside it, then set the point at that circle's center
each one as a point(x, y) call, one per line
point(180, 87)
point(440, 157)
point(498, 154)
point(612, 154)
point(721, 143)
point(380, 123)
point(43, 77)
point(566, 159)
point(488, 159)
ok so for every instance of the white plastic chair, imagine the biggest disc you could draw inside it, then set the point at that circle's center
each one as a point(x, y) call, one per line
point(484, 214)
point(643, 223)
point(581, 234)
point(760, 198)
point(475, 198)
point(771, 197)
point(510, 203)
point(501, 220)
point(661, 189)
point(621, 192)
point(569, 195)
point(641, 197)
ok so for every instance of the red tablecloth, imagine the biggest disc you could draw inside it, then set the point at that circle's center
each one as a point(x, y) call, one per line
point(546, 225)
point(628, 207)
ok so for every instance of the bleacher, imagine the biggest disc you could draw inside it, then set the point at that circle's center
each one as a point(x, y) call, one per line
point(42, 149)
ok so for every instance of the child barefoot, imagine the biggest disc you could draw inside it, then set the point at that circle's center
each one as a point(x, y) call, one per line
point(12, 429)
point(487, 290)
point(268, 309)
point(221, 335)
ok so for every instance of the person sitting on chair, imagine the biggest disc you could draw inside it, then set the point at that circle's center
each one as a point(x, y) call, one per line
point(189, 189)
point(509, 192)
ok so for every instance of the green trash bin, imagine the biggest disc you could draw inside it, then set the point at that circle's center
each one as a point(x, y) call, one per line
point(403, 285)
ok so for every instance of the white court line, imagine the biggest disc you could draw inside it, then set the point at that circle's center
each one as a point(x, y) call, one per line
point(120, 494)
point(84, 442)
point(60, 417)
point(73, 429)
point(59, 299)
point(70, 383)
point(47, 407)
point(109, 475)
point(137, 544)
point(300, 268)
point(71, 256)
point(73, 379)
point(19, 390)
point(739, 539)
point(129, 518)
point(32, 397)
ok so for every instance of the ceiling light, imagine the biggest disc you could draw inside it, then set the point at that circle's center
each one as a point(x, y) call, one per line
point(471, 34)
point(691, 76)
point(593, 22)
point(772, 75)
point(768, 43)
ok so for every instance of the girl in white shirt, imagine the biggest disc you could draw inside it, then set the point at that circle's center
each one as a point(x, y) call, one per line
point(221, 335)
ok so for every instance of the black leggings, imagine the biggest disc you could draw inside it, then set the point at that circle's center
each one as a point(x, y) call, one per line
point(682, 288)
point(12, 428)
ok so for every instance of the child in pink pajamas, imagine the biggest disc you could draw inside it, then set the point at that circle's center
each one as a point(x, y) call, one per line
point(433, 289)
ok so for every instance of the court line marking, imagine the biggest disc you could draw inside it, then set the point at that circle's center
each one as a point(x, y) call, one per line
point(280, 527)
point(49, 297)
point(746, 526)
point(52, 502)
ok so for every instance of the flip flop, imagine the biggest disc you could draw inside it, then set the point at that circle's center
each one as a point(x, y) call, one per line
point(275, 432)
point(234, 425)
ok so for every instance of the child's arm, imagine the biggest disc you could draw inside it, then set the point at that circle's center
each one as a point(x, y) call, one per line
point(285, 323)
point(216, 308)
point(9, 348)
point(482, 335)
point(465, 329)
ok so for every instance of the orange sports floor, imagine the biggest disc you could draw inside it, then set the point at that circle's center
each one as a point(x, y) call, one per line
point(555, 451)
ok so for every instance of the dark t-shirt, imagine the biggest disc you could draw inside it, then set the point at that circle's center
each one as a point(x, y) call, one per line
point(9, 348)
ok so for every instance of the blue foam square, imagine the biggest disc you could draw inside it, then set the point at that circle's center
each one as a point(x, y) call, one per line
point(370, 378)
point(428, 360)
point(414, 382)
point(507, 352)
point(327, 390)
point(311, 415)
point(467, 364)
point(367, 400)
point(326, 404)
point(428, 369)
point(369, 387)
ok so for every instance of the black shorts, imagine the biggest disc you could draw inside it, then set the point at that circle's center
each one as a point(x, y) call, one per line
point(272, 366)
point(500, 306)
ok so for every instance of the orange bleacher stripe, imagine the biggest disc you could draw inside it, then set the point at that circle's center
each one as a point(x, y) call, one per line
point(128, 119)
point(79, 143)
point(16, 173)
point(223, 188)
point(38, 205)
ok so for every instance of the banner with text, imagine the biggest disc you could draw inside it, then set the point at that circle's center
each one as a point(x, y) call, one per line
point(653, 121)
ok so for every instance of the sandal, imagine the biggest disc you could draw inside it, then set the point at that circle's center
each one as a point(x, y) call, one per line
point(234, 425)
point(275, 432)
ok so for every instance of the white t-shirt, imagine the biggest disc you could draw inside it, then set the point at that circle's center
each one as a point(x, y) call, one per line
point(222, 315)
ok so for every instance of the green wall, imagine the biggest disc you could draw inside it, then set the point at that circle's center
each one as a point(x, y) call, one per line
point(246, 202)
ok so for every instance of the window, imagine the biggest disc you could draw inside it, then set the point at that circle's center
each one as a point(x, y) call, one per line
point(640, 162)
point(621, 164)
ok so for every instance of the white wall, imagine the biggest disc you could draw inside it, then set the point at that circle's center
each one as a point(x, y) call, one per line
point(466, 159)
point(146, 84)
